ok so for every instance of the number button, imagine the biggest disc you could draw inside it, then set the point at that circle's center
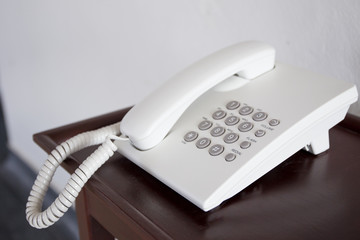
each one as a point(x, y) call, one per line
point(217, 131)
point(216, 149)
point(232, 120)
point(232, 105)
point(231, 137)
point(259, 116)
point(219, 114)
point(205, 125)
point(245, 126)
point(190, 136)
point(203, 143)
point(246, 110)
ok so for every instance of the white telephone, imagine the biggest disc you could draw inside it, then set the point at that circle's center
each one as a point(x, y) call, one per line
point(214, 128)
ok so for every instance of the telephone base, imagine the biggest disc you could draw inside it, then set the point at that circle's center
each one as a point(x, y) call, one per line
point(226, 140)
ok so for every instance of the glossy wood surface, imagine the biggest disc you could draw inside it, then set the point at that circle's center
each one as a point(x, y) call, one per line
point(306, 197)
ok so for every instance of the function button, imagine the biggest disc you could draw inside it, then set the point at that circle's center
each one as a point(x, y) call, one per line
point(203, 143)
point(232, 105)
point(190, 136)
point(219, 114)
point(246, 110)
point(217, 131)
point(259, 116)
point(245, 144)
point(231, 137)
point(216, 149)
point(260, 133)
point(245, 126)
point(232, 120)
point(205, 125)
point(274, 122)
point(230, 157)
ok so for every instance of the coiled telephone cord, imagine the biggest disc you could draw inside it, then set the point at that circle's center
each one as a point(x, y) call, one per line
point(42, 219)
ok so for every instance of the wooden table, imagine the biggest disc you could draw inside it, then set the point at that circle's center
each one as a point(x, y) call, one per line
point(306, 197)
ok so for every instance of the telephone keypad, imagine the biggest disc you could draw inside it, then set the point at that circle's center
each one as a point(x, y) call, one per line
point(229, 126)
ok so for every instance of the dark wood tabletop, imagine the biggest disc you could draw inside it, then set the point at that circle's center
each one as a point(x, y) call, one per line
point(305, 197)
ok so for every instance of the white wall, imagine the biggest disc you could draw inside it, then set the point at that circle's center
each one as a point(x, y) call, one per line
point(63, 61)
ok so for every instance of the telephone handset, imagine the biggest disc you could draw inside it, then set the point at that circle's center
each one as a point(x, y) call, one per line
point(147, 123)
point(210, 131)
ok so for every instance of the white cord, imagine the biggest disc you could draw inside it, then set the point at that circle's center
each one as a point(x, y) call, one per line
point(63, 202)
